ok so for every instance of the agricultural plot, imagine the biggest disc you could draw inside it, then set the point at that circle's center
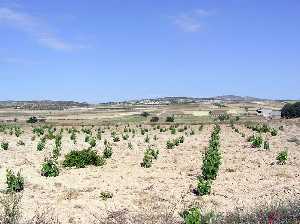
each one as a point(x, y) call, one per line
point(80, 174)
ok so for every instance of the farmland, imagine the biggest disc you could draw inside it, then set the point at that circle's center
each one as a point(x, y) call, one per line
point(148, 169)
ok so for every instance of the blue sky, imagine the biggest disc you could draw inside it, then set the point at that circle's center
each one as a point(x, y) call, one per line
point(102, 50)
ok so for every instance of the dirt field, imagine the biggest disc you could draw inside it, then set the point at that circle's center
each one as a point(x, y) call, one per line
point(247, 176)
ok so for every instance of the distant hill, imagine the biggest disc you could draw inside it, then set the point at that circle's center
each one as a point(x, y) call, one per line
point(185, 100)
point(41, 105)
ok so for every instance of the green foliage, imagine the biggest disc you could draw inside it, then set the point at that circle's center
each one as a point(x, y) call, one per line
point(107, 152)
point(147, 139)
point(50, 168)
point(203, 186)
point(149, 155)
point(81, 159)
point(282, 157)
point(274, 132)
point(170, 118)
point(15, 183)
point(125, 137)
point(212, 156)
point(130, 145)
point(116, 139)
point(257, 142)
point(173, 131)
point(147, 160)
point(266, 145)
point(195, 216)
point(145, 114)
point(4, 145)
point(73, 137)
point(20, 142)
point(41, 145)
point(92, 142)
point(154, 119)
point(170, 144)
point(291, 110)
point(106, 195)
point(32, 120)
point(18, 131)
point(39, 131)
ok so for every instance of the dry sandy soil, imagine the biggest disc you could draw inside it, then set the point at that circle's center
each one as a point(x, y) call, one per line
point(247, 176)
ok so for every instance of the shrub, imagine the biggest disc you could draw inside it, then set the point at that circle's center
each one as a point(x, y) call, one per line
point(106, 195)
point(15, 183)
point(116, 139)
point(92, 142)
point(282, 157)
point(203, 186)
point(274, 132)
point(170, 118)
point(50, 169)
point(145, 114)
point(147, 139)
point(173, 131)
point(266, 145)
point(291, 110)
point(154, 153)
point(32, 120)
point(107, 152)
point(154, 119)
point(181, 139)
point(18, 131)
point(41, 145)
point(20, 142)
point(130, 145)
point(211, 163)
point(257, 142)
point(39, 131)
point(170, 144)
point(147, 160)
point(195, 216)
point(125, 137)
point(73, 137)
point(81, 159)
point(4, 145)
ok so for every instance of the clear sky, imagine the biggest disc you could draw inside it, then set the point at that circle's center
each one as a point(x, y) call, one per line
point(102, 50)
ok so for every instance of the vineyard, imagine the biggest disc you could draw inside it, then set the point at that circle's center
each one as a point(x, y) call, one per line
point(81, 174)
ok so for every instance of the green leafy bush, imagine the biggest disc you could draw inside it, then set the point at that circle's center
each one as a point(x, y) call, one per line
point(107, 152)
point(282, 157)
point(170, 119)
point(266, 145)
point(41, 145)
point(32, 120)
point(154, 119)
point(170, 144)
point(20, 142)
point(203, 186)
point(15, 183)
point(4, 145)
point(50, 168)
point(291, 110)
point(195, 216)
point(106, 195)
point(257, 141)
point(274, 132)
point(81, 159)
point(92, 142)
point(147, 160)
